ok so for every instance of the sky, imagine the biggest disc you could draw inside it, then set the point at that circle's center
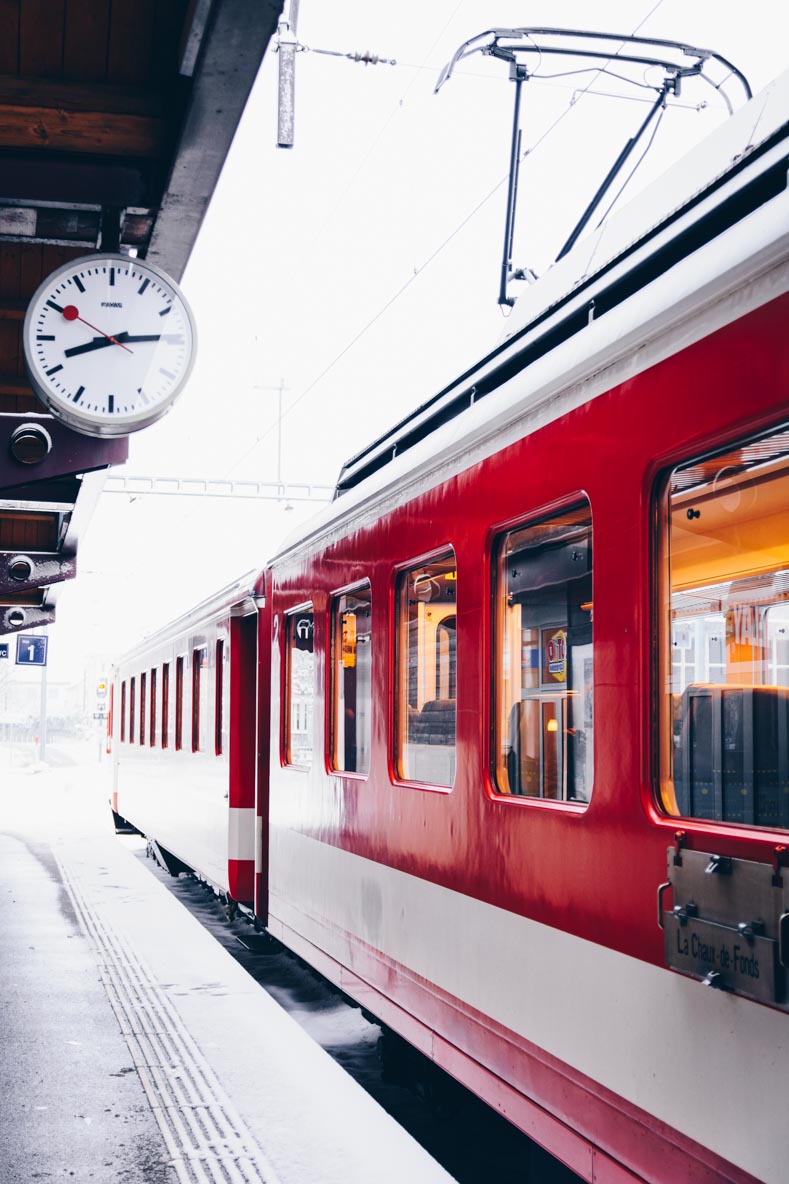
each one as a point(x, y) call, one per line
point(361, 268)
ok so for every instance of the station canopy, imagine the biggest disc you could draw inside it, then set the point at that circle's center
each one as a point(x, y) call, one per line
point(116, 117)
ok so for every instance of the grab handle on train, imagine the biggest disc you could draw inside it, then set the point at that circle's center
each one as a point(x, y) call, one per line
point(783, 940)
point(660, 894)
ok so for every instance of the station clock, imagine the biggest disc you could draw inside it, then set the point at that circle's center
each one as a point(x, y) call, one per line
point(109, 344)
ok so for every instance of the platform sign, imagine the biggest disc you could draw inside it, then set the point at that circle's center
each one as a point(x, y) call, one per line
point(3, 649)
point(31, 649)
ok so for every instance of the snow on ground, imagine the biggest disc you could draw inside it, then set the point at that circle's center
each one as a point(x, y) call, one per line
point(67, 796)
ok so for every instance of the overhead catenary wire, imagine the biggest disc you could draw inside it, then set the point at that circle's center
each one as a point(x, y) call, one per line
point(329, 215)
point(419, 271)
point(552, 81)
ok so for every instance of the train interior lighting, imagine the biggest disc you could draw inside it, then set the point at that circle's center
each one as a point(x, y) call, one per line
point(726, 641)
point(544, 659)
point(352, 681)
point(427, 672)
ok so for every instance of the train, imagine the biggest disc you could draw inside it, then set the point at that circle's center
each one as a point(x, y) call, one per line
point(499, 741)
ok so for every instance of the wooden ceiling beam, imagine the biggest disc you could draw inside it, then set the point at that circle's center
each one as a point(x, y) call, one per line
point(13, 310)
point(13, 384)
point(76, 117)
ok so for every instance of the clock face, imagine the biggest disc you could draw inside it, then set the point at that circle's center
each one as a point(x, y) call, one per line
point(109, 343)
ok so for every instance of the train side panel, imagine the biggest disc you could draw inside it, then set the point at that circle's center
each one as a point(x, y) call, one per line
point(518, 940)
point(185, 743)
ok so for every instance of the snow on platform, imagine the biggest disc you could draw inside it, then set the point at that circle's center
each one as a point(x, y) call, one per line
point(223, 1085)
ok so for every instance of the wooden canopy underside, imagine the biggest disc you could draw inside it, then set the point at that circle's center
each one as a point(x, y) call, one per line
point(115, 120)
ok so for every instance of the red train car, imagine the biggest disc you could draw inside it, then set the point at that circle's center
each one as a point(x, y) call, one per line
point(523, 709)
point(184, 739)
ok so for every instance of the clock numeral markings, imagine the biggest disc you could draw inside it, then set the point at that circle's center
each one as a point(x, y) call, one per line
point(167, 373)
point(110, 403)
point(79, 394)
point(54, 370)
point(78, 282)
point(165, 311)
point(45, 336)
point(142, 287)
point(112, 277)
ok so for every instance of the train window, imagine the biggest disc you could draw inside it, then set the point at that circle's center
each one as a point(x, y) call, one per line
point(300, 687)
point(427, 672)
point(200, 699)
point(179, 701)
point(123, 710)
point(544, 719)
point(352, 694)
point(132, 707)
point(152, 726)
point(218, 698)
point(143, 703)
point(724, 639)
point(165, 705)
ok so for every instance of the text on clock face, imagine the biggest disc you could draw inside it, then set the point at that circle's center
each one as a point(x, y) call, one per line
point(107, 355)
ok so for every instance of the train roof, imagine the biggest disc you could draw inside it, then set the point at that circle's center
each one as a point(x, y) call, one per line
point(582, 275)
point(237, 599)
point(579, 326)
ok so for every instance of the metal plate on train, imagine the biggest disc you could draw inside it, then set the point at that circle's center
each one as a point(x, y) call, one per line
point(730, 923)
point(724, 958)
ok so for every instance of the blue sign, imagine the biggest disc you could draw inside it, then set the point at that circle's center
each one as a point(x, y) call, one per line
point(3, 649)
point(31, 649)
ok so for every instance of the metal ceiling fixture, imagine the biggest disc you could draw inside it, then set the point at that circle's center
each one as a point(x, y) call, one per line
point(675, 61)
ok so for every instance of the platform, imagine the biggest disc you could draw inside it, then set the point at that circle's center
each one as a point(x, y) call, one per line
point(132, 1046)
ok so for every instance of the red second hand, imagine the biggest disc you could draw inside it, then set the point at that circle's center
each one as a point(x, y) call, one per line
point(71, 313)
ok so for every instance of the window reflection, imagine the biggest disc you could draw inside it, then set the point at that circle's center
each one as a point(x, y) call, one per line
point(544, 659)
point(427, 672)
point(300, 695)
point(352, 685)
point(725, 653)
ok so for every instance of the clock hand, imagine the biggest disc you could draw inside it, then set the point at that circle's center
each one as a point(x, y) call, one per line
point(96, 343)
point(71, 313)
point(103, 341)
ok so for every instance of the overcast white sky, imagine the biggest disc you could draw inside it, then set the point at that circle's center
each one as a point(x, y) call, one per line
point(301, 249)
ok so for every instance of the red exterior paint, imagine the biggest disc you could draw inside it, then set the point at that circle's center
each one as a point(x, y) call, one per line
point(243, 741)
point(588, 872)
point(241, 879)
point(264, 744)
point(471, 839)
point(108, 739)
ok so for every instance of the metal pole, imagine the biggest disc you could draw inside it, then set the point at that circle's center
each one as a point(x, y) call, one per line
point(615, 168)
point(42, 723)
point(288, 47)
point(519, 75)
